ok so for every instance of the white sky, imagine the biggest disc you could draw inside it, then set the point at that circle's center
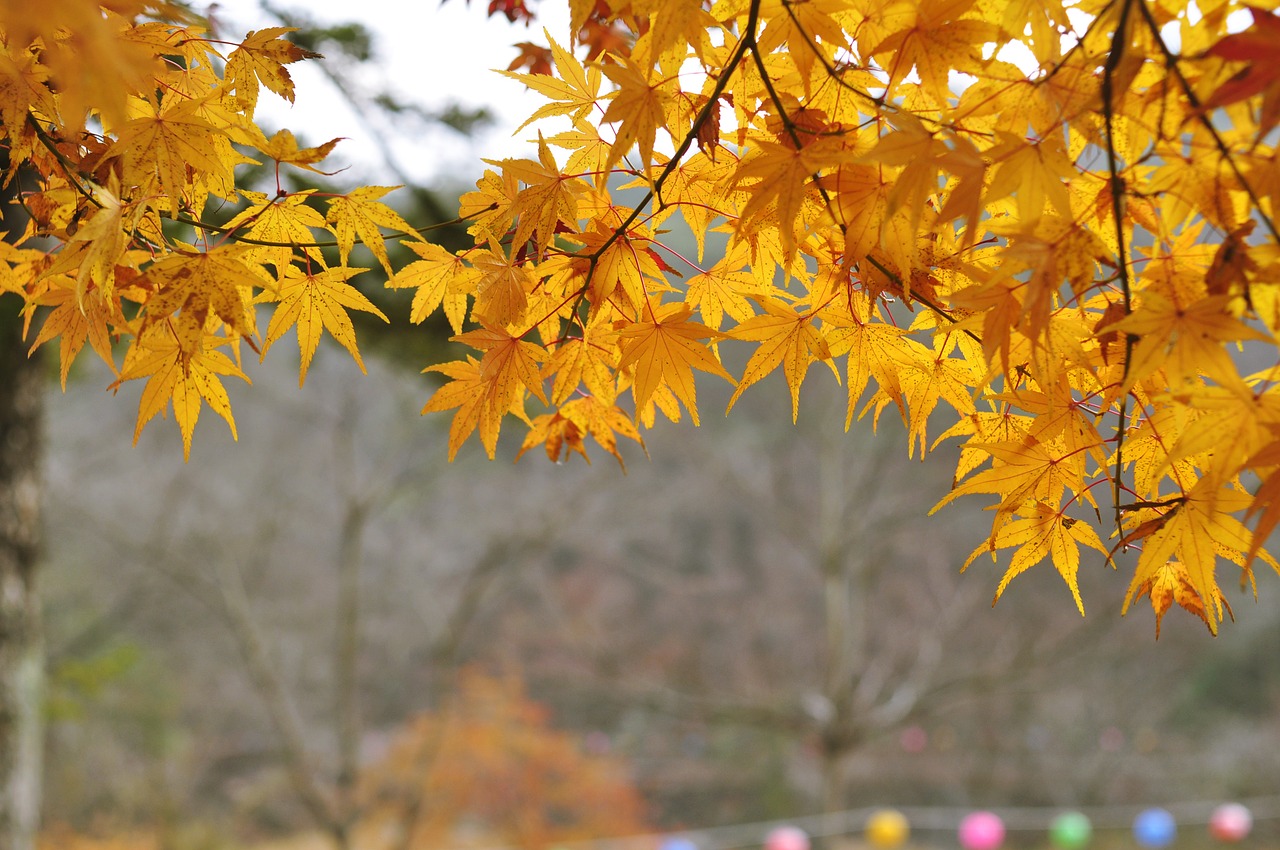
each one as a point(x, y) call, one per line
point(432, 54)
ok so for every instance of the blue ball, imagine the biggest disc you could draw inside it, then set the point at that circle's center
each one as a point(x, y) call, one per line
point(677, 842)
point(1154, 828)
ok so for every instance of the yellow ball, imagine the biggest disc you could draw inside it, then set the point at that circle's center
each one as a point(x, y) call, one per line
point(887, 829)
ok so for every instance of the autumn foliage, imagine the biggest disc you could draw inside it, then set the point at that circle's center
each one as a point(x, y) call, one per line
point(1043, 230)
point(490, 769)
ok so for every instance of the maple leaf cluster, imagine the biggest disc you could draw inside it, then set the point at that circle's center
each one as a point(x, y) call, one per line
point(1071, 259)
point(121, 167)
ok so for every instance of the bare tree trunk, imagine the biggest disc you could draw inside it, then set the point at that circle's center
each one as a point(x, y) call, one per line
point(21, 645)
point(346, 656)
point(346, 659)
point(266, 681)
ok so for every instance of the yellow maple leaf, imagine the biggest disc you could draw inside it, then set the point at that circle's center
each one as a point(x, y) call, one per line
point(1184, 340)
point(1022, 471)
point(779, 178)
point(787, 338)
point(698, 190)
point(316, 301)
point(810, 31)
point(502, 284)
point(74, 320)
point(590, 150)
point(100, 244)
point(723, 289)
point(548, 201)
point(621, 263)
point(283, 147)
point(160, 149)
point(179, 377)
point(24, 89)
point(1033, 173)
point(860, 196)
point(490, 208)
point(466, 391)
point(583, 361)
point(285, 222)
point(664, 350)
point(486, 391)
point(203, 284)
point(440, 277)
point(574, 94)
point(935, 37)
point(933, 378)
point(359, 213)
point(1169, 583)
point(639, 106)
point(1042, 532)
point(261, 57)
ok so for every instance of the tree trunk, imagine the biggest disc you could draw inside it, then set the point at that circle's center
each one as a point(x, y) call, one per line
point(21, 645)
point(21, 493)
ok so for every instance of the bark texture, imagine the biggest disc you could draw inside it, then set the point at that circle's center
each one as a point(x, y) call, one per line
point(21, 645)
point(21, 494)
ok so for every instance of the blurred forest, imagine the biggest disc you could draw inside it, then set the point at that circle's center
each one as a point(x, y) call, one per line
point(317, 644)
point(310, 626)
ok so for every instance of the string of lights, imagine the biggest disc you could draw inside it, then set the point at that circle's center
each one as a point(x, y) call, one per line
point(1153, 827)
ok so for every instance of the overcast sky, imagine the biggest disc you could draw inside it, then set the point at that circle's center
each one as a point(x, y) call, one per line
point(432, 54)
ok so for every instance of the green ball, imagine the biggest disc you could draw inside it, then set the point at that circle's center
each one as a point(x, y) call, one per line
point(1070, 831)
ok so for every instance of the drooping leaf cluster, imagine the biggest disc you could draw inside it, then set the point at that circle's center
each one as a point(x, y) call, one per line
point(125, 125)
point(1052, 221)
point(1049, 224)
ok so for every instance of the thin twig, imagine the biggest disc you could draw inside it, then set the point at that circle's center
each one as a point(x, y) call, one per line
point(1118, 43)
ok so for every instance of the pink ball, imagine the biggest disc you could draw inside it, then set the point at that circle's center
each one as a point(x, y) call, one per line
point(981, 831)
point(1230, 822)
point(787, 838)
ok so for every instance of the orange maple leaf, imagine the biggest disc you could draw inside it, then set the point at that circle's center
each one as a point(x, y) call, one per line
point(563, 431)
point(1257, 46)
point(533, 57)
point(1170, 582)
